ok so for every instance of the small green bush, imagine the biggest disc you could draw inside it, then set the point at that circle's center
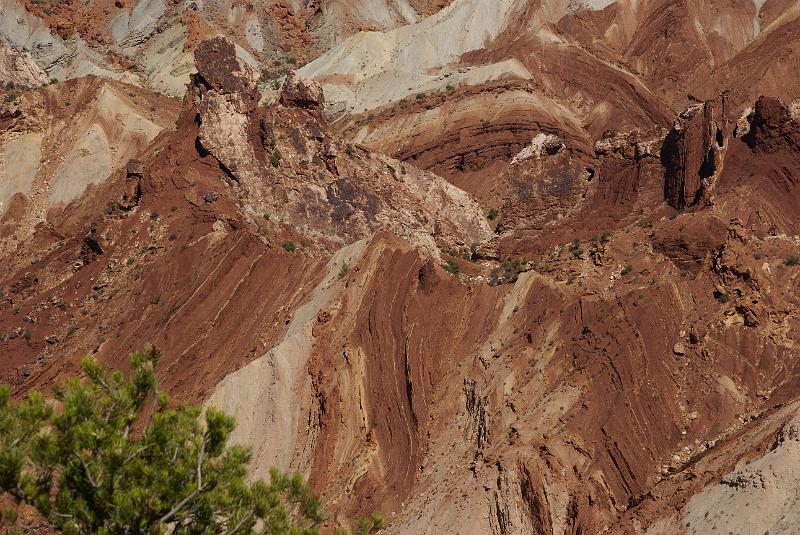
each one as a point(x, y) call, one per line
point(452, 267)
point(288, 246)
point(275, 158)
point(604, 237)
point(508, 271)
point(575, 248)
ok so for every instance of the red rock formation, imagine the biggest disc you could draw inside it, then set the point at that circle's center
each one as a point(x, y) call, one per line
point(693, 153)
point(334, 191)
point(617, 334)
point(772, 129)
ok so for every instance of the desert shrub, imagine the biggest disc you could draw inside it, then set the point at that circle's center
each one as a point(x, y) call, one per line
point(275, 158)
point(288, 246)
point(452, 267)
point(722, 297)
point(575, 248)
point(507, 271)
point(602, 237)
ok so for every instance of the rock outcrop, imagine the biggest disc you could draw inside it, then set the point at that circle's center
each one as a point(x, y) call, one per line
point(18, 68)
point(605, 342)
point(693, 153)
point(289, 165)
point(302, 92)
point(773, 127)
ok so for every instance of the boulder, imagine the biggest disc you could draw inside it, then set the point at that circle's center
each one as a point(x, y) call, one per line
point(301, 92)
point(772, 127)
point(135, 169)
point(219, 69)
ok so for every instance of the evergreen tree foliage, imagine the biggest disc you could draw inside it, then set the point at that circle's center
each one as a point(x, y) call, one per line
point(110, 455)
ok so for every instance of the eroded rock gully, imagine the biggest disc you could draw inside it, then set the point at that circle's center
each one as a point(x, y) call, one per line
point(614, 354)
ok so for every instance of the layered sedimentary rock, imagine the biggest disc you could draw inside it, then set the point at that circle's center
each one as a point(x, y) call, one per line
point(603, 343)
point(693, 153)
point(18, 68)
point(572, 68)
point(286, 163)
point(64, 139)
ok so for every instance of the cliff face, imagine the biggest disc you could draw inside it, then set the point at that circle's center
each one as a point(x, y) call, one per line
point(434, 94)
point(693, 153)
point(559, 307)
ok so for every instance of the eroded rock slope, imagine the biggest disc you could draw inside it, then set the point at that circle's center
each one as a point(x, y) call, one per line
point(603, 342)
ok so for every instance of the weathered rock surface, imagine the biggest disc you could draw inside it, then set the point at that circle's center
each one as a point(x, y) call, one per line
point(305, 177)
point(693, 153)
point(18, 68)
point(605, 344)
point(773, 127)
